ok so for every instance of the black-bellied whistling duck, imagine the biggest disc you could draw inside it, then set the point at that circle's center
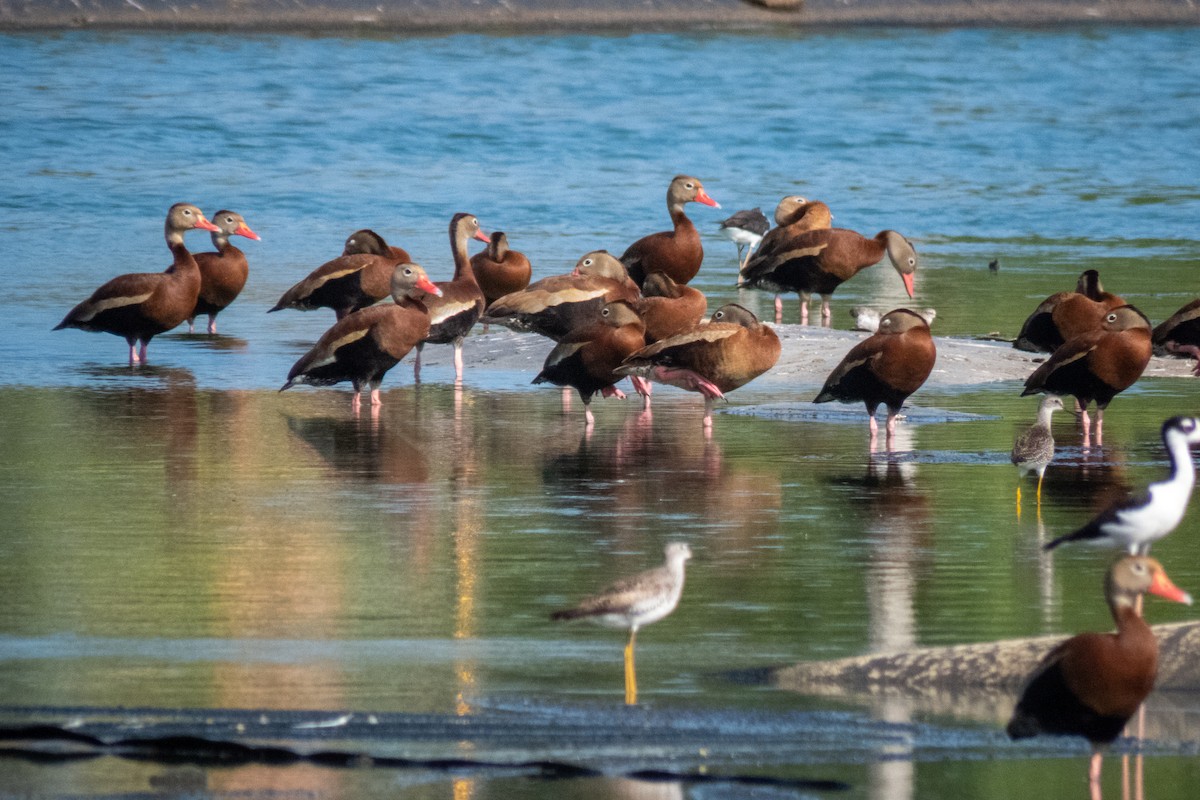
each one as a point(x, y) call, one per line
point(455, 311)
point(362, 346)
point(1065, 314)
point(793, 215)
point(636, 601)
point(1091, 684)
point(1139, 521)
point(369, 242)
point(669, 308)
point(223, 273)
point(677, 252)
point(499, 270)
point(557, 305)
point(886, 368)
point(1180, 334)
point(715, 358)
point(1033, 449)
point(349, 282)
point(745, 228)
point(141, 305)
point(1097, 365)
point(587, 357)
point(819, 261)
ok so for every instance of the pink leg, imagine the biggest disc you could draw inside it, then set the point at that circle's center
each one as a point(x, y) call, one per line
point(566, 399)
point(356, 402)
point(212, 324)
point(588, 419)
point(375, 401)
point(803, 310)
point(891, 429)
point(612, 391)
point(1098, 436)
point(1086, 421)
point(458, 360)
point(642, 387)
point(142, 352)
point(133, 354)
point(778, 309)
point(686, 379)
point(191, 324)
point(1094, 774)
point(873, 427)
point(708, 407)
point(826, 313)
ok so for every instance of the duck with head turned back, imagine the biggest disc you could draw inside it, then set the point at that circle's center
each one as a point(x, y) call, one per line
point(820, 261)
point(669, 308)
point(455, 311)
point(677, 252)
point(1081, 310)
point(349, 282)
point(886, 368)
point(587, 358)
point(369, 242)
point(557, 305)
point(499, 269)
point(1093, 683)
point(731, 350)
point(139, 306)
point(362, 346)
point(223, 273)
point(1179, 334)
point(1097, 365)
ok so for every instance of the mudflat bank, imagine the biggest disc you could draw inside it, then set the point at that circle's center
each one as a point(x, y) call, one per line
point(442, 16)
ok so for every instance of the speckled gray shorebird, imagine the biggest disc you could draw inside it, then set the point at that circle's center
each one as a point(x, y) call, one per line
point(635, 601)
point(1033, 449)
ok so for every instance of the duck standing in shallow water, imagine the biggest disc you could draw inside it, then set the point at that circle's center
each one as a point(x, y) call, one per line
point(677, 252)
point(1097, 365)
point(1138, 521)
point(458, 306)
point(715, 358)
point(138, 306)
point(223, 274)
point(361, 347)
point(1091, 684)
point(586, 359)
point(633, 602)
point(886, 368)
point(819, 261)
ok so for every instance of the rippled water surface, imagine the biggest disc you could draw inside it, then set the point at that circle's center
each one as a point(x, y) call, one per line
point(183, 536)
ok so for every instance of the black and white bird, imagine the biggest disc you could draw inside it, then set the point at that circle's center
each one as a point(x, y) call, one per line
point(745, 229)
point(1033, 449)
point(636, 601)
point(1139, 521)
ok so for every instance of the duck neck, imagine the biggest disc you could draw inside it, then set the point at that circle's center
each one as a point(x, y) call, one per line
point(462, 259)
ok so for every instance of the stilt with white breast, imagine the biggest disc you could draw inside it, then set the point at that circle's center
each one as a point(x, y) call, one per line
point(633, 602)
point(1138, 521)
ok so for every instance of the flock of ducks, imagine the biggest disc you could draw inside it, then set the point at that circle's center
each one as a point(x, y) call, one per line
point(636, 316)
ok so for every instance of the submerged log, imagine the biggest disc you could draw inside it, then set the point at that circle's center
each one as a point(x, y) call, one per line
point(990, 666)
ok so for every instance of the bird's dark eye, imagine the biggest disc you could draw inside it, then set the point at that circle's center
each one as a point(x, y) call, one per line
point(187, 212)
point(1112, 317)
point(587, 262)
point(606, 312)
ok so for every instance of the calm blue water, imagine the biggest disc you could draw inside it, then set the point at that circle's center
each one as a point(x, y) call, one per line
point(1051, 150)
point(408, 564)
